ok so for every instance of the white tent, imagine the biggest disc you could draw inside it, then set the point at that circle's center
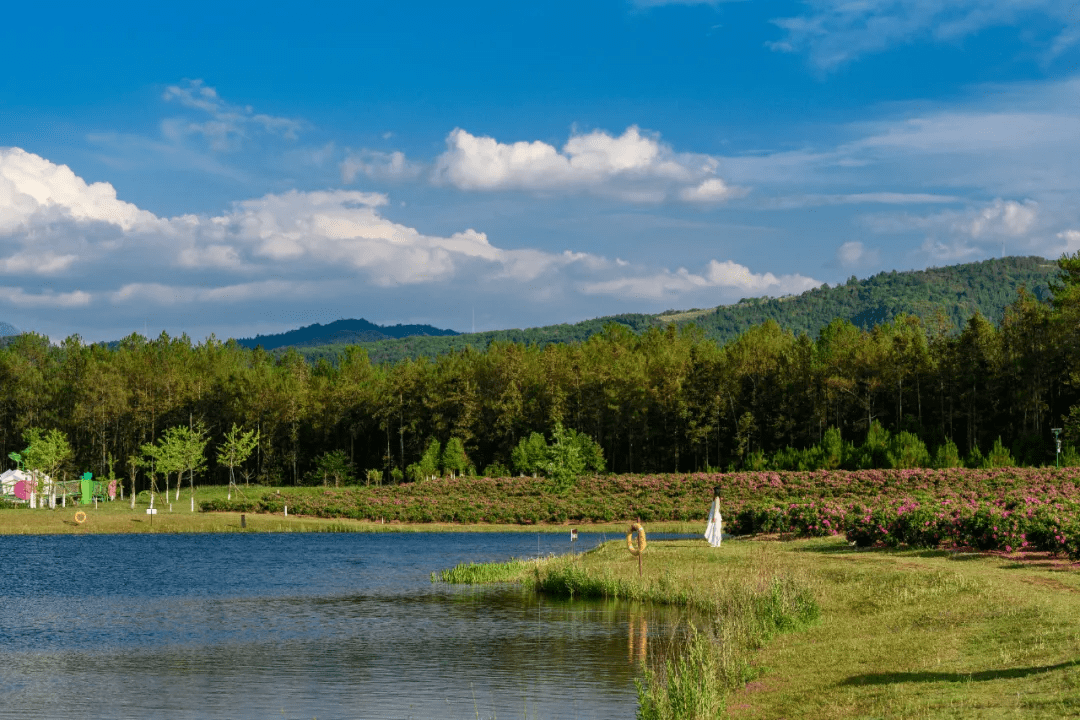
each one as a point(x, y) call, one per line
point(9, 478)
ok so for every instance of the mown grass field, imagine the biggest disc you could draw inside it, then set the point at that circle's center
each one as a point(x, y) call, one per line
point(900, 633)
point(925, 634)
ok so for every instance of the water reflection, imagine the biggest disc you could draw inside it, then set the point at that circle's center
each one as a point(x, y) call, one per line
point(637, 639)
point(303, 626)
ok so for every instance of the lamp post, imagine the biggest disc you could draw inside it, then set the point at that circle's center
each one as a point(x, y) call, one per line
point(1057, 439)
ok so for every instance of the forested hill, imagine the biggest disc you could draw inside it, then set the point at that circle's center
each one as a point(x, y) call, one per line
point(418, 346)
point(957, 291)
point(340, 332)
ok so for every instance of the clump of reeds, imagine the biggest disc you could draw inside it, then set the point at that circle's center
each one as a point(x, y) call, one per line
point(685, 684)
point(695, 681)
point(481, 573)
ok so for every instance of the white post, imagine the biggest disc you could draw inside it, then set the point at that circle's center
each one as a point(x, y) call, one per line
point(286, 511)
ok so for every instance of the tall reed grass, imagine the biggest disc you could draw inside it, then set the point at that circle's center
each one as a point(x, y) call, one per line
point(483, 573)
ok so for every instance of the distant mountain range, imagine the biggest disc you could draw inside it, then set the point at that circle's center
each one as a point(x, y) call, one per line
point(952, 293)
point(341, 332)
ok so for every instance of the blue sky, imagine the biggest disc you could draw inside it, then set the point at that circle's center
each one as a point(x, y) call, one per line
point(249, 169)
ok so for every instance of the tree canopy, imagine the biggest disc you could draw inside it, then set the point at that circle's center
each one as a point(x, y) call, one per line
point(666, 397)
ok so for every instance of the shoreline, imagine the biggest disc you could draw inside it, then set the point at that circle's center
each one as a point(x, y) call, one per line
point(111, 520)
point(900, 633)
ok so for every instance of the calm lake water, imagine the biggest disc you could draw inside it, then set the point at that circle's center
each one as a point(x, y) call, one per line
point(303, 626)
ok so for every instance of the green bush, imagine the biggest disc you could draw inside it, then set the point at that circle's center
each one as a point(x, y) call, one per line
point(975, 458)
point(565, 460)
point(756, 461)
point(999, 456)
point(873, 453)
point(832, 451)
point(947, 455)
point(907, 451)
point(429, 462)
point(454, 460)
point(530, 455)
point(496, 470)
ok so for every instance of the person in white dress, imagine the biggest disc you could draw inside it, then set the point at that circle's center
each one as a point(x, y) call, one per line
point(714, 532)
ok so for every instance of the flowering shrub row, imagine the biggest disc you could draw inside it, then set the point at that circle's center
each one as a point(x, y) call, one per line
point(1054, 527)
point(1007, 508)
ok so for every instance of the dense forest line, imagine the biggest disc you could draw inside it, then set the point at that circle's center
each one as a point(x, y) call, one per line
point(664, 400)
point(956, 292)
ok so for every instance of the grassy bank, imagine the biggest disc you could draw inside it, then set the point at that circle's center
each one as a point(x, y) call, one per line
point(900, 634)
point(739, 607)
point(118, 517)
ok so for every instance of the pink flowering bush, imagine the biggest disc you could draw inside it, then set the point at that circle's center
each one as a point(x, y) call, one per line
point(1010, 509)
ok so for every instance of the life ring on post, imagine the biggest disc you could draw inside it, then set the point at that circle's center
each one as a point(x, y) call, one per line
point(640, 548)
point(80, 517)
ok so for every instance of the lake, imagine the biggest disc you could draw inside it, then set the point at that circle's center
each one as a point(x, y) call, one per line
point(304, 626)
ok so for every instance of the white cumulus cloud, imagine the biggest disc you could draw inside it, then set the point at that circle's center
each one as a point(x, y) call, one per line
point(1004, 217)
point(710, 191)
point(1071, 242)
point(856, 255)
point(635, 166)
point(34, 190)
point(718, 276)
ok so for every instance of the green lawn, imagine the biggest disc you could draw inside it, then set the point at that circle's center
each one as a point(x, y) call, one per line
point(924, 635)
